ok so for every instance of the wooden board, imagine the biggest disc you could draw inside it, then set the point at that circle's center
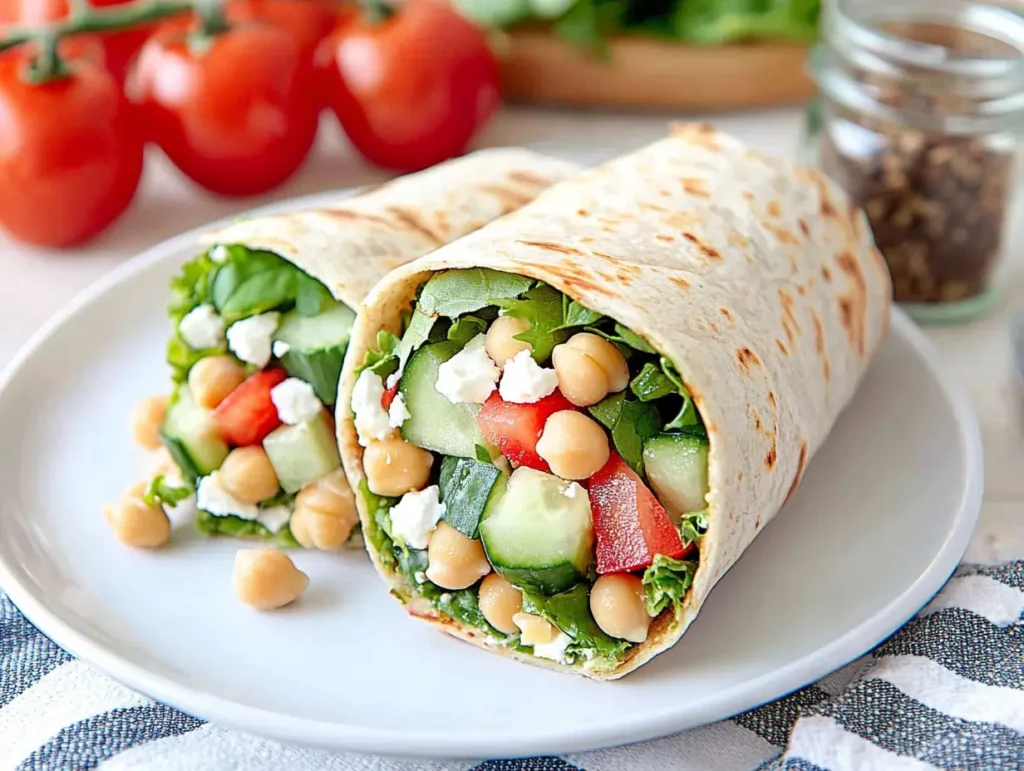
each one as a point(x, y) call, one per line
point(640, 72)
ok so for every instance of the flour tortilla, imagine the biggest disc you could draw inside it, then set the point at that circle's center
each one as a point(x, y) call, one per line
point(352, 245)
point(757, 278)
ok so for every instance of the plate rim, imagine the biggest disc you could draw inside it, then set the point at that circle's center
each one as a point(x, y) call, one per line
point(235, 715)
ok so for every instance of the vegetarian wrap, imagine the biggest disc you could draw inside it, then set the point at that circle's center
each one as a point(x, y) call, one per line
point(567, 426)
point(261, 322)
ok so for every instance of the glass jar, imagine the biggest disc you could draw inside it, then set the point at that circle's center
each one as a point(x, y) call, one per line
point(920, 117)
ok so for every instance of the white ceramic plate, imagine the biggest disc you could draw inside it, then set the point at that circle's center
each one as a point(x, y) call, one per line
point(881, 520)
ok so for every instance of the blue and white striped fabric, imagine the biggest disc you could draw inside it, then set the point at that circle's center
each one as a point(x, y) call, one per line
point(945, 692)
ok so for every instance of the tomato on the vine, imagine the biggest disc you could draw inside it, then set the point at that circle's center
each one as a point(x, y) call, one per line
point(120, 46)
point(70, 152)
point(413, 89)
point(235, 112)
point(310, 21)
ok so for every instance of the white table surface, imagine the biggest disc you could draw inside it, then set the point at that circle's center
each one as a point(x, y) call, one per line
point(34, 284)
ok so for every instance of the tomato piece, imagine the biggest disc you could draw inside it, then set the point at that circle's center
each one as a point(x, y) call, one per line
point(630, 526)
point(412, 90)
point(70, 151)
point(237, 116)
point(309, 21)
point(515, 429)
point(248, 414)
point(388, 396)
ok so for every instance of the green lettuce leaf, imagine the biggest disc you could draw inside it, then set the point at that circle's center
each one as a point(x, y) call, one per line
point(651, 383)
point(383, 360)
point(666, 582)
point(570, 612)
point(236, 527)
point(159, 492)
point(466, 328)
point(251, 281)
point(693, 526)
point(626, 339)
point(687, 416)
point(542, 306)
point(631, 424)
point(189, 289)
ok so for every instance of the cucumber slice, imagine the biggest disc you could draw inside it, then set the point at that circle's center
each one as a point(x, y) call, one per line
point(677, 468)
point(468, 487)
point(302, 453)
point(435, 423)
point(317, 348)
point(190, 435)
point(540, 535)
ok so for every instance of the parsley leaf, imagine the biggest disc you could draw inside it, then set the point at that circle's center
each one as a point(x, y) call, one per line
point(159, 492)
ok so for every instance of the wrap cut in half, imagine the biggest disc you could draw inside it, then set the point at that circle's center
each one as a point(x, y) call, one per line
point(261, 321)
point(605, 396)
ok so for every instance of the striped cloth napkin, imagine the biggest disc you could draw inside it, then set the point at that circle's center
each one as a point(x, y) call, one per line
point(945, 692)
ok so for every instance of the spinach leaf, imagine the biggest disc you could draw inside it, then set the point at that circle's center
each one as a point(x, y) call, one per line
point(189, 289)
point(236, 527)
point(415, 335)
point(251, 282)
point(631, 424)
point(466, 487)
point(687, 416)
point(159, 492)
point(576, 315)
point(570, 612)
point(608, 411)
point(463, 606)
point(482, 454)
point(311, 297)
point(693, 526)
point(626, 339)
point(542, 308)
point(651, 384)
point(455, 292)
point(466, 328)
point(383, 360)
point(666, 582)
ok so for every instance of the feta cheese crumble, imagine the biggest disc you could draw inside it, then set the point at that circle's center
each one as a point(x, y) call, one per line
point(554, 650)
point(212, 498)
point(371, 420)
point(280, 348)
point(201, 328)
point(525, 381)
point(219, 253)
point(249, 339)
point(398, 413)
point(415, 517)
point(295, 400)
point(468, 376)
point(420, 576)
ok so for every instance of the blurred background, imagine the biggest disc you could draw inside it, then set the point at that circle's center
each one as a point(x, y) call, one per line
point(125, 122)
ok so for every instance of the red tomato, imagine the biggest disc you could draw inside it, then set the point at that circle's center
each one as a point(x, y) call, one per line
point(119, 46)
point(309, 21)
point(630, 525)
point(70, 152)
point(412, 90)
point(388, 396)
point(515, 428)
point(239, 117)
point(248, 414)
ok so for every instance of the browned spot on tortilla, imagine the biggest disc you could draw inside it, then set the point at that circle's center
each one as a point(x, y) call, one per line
point(583, 212)
point(757, 422)
point(710, 252)
point(747, 359)
point(735, 239)
point(854, 306)
point(790, 325)
point(665, 193)
point(739, 477)
point(575, 277)
point(347, 214)
point(748, 195)
point(679, 281)
point(412, 220)
point(826, 274)
point(696, 187)
point(529, 178)
point(801, 462)
point(791, 258)
point(819, 346)
point(552, 247)
point(804, 227)
point(667, 239)
point(624, 276)
point(700, 134)
point(771, 398)
point(757, 523)
point(509, 198)
point(587, 240)
point(774, 209)
point(606, 275)
point(713, 325)
point(727, 313)
point(800, 290)
point(652, 207)
point(610, 229)
point(782, 347)
point(828, 209)
point(771, 457)
point(784, 235)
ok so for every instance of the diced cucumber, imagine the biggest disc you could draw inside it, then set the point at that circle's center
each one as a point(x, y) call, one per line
point(191, 437)
point(435, 423)
point(468, 487)
point(677, 468)
point(317, 347)
point(540, 535)
point(302, 453)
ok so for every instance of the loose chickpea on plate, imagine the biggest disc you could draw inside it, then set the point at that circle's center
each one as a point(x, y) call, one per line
point(137, 523)
point(266, 579)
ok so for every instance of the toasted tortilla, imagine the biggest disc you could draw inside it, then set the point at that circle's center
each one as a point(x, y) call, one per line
point(759, 279)
point(352, 245)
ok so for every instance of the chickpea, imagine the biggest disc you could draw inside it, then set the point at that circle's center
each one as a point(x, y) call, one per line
point(267, 578)
point(135, 523)
point(147, 418)
point(500, 342)
point(500, 601)
point(574, 445)
point(213, 378)
point(589, 368)
point(455, 561)
point(325, 513)
point(248, 475)
point(617, 603)
point(535, 630)
point(394, 467)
